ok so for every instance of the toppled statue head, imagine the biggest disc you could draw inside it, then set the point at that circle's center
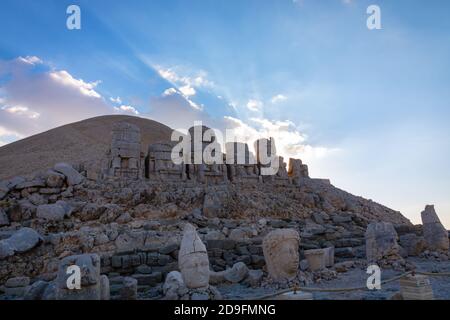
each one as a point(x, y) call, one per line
point(281, 253)
point(193, 259)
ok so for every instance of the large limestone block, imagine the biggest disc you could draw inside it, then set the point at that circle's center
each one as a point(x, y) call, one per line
point(193, 259)
point(381, 241)
point(280, 248)
point(436, 236)
point(72, 175)
point(89, 265)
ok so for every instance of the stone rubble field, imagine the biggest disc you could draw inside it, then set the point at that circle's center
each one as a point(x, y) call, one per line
point(136, 228)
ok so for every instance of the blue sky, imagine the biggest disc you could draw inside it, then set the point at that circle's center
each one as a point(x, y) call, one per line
point(367, 109)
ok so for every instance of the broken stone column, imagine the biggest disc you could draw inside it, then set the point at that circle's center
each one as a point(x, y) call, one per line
point(280, 248)
point(381, 242)
point(89, 265)
point(436, 236)
point(193, 259)
point(316, 259)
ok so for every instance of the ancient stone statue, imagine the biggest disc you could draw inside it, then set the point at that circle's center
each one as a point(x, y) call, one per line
point(436, 236)
point(381, 242)
point(125, 153)
point(280, 249)
point(193, 259)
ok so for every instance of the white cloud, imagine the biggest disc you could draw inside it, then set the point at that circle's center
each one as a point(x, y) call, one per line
point(290, 142)
point(187, 91)
point(21, 111)
point(254, 105)
point(169, 92)
point(278, 98)
point(66, 79)
point(31, 60)
point(116, 100)
point(126, 110)
point(35, 100)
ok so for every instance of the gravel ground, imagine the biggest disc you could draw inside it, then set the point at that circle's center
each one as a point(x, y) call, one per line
point(355, 278)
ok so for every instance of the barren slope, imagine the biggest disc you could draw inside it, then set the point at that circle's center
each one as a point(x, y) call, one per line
point(84, 141)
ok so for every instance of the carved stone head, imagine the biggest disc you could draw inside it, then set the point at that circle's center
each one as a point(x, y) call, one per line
point(193, 259)
point(280, 249)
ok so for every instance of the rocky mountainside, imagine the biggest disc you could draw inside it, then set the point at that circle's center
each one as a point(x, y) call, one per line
point(81, 142)
point(135, 225)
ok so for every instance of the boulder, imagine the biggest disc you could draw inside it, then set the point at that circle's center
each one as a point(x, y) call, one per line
point(21, 241)
point(413, 244)
point(237, 273)
point(54, 212)
point(436, 236)
point(73, 176)
point(54, 179)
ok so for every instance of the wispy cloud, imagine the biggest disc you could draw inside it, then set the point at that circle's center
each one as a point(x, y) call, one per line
point(36, 97)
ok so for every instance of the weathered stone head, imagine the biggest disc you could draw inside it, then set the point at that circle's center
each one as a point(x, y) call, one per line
point(280, 249)
point(193, 259)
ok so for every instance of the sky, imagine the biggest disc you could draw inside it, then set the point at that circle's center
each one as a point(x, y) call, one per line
point(368, 109)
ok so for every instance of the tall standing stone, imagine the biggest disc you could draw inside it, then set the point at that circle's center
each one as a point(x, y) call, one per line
point(436, 236)
point(125, 153)
point(381, 242)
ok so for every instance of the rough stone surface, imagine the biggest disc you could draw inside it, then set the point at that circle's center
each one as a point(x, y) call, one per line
point(21, 241)
point(436, 236)
point(129, 289)
point(73, 176)
point(381, 242)
point(317, 259)
point(53, 212)
point(413, 244)
point(89, 265)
